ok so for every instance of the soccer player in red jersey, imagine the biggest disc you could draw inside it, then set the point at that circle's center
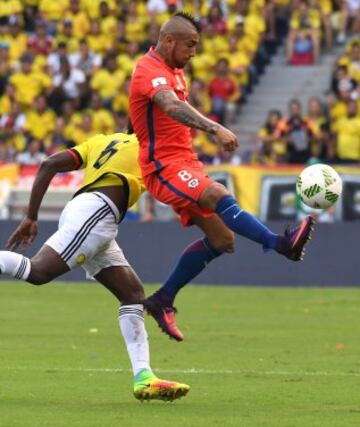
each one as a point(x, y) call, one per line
point(162, 118)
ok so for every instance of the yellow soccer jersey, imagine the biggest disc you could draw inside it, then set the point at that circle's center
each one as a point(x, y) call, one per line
point(111, 160)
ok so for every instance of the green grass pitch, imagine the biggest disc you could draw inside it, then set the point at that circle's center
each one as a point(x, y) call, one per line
point(254, 357)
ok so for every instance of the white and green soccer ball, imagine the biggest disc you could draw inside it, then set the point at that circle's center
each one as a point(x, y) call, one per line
point(319, 186)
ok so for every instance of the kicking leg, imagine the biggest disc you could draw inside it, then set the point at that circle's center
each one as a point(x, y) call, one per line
point(124, 283)
point(291, 244)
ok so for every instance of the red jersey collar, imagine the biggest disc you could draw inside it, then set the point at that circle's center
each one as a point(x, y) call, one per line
point(153, 54)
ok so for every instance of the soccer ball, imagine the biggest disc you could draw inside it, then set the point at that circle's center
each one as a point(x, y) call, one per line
point(319, 186)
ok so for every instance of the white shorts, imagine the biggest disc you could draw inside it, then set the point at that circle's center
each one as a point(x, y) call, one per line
point(86, 234)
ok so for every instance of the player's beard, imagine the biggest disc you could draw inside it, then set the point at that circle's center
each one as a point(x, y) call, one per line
point(181, 64)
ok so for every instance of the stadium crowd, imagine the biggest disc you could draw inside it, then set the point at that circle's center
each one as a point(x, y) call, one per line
point(328, 131)
point(65, 66)
point(65, 69)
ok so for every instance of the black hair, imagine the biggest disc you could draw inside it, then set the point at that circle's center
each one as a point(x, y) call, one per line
point(189, 18)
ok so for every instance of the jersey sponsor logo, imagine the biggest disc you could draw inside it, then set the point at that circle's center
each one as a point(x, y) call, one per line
point(159, 81)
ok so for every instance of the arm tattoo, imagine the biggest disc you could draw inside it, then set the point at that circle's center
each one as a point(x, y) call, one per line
point(183, 112)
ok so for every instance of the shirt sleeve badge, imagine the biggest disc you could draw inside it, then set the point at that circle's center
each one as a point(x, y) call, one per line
point(159, 81)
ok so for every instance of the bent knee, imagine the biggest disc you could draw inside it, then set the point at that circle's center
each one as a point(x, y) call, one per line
point(212, 194)
point(38, 277)
point(224, 243)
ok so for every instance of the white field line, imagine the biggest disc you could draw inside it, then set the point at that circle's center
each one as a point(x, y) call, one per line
point(191, 371)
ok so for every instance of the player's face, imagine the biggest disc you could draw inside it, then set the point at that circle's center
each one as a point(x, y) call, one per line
point(184, 49)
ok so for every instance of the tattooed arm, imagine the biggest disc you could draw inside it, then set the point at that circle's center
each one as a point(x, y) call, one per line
point(187, 115)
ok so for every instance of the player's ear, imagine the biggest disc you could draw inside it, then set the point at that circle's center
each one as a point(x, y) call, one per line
point(169, 40)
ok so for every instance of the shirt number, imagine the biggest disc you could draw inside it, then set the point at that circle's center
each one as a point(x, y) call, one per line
point(106, 154)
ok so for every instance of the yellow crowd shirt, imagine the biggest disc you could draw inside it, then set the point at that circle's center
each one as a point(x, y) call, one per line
point(40, 125)
point(53, 10)
point(29, 86)
point(106, 83)
point(348, 138)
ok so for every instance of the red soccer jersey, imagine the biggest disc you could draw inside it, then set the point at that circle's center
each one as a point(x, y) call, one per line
point(222, 87)
point(162, 139)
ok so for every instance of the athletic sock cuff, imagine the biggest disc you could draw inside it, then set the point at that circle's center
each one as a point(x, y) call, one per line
point(132, 310)
point(23, 269)
point(213, 251)
point(227, 202)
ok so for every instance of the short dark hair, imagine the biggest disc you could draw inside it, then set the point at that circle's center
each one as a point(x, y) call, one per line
point(190, 18)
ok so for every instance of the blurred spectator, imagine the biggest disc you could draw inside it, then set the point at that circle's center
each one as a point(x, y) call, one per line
point(338, 105)
point(215, 17)
point(350, 19)
point(40, 120)
point(270, 149)
point(9, 8)
point(316, 116)
point(52, 12)
point(66, 35)
point(56, 140)
point(5, 154)
point(72, 118)
point(40, 41)
point(202, 64)
point(135, 22)
point(325, 9)
point(13, 123)
point(126, 61)
point(207, 149)
point(33, 155)
point(341, 80)
point(354, 65)
point(54, 58)
point(347, 130)
point(152, 32)
point(121, 122)
point(84, 130)
point(303, 42)
point(102, 119)
point(29, 83)
point(223, 92)
point(351, 61)
point(85, 59)
point(5, 66)
point(157, 7)
point(296, 133)
point(68, 84)
point(108, 80)
point(16, 38)
point(107, 19)
point(78, 18)
point(199, 98)
point(240, 66)
point(7, 99)
point(121, 100)
point(320, 126)
point(121, 41)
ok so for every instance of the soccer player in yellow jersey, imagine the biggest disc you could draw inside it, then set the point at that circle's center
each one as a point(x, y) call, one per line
point(86, 237)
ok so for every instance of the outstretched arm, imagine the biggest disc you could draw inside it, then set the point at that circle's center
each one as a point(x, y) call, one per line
point(27, 230)
point(187, 115)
